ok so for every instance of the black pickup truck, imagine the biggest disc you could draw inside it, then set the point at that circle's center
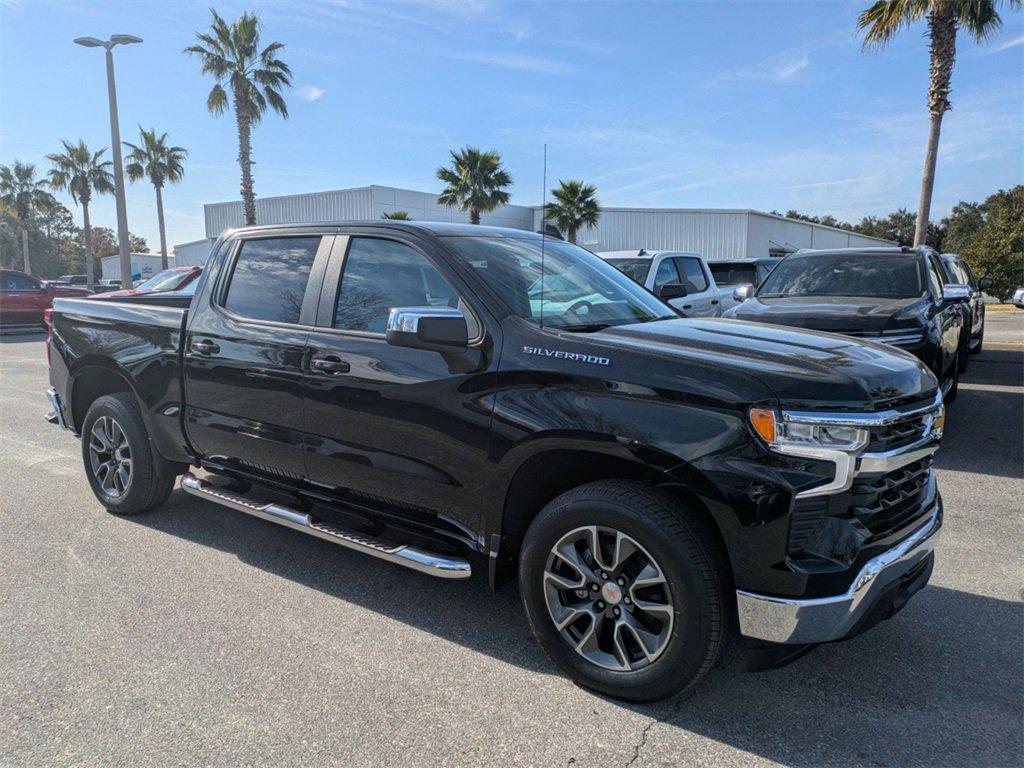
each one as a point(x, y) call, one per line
point(894, 295)
point(422, 393)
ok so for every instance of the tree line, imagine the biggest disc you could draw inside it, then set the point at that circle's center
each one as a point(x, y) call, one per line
point(36, 226)
point(989, 234)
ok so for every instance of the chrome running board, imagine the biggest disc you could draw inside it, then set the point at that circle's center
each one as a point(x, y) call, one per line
point(432, 564)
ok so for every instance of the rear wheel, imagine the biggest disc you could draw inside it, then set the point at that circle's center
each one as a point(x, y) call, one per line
point(625, 590)
point(125, 472)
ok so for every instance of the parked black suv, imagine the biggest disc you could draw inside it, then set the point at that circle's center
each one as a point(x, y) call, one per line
point(895, 296)
point(403, 390)
point(972, 336)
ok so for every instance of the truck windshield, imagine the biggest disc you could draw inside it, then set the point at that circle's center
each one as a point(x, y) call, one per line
point(895, 276)
point(576, 292)
point(636, 269)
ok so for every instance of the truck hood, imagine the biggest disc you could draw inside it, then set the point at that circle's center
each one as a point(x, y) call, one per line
point(835, 314)
point(804, 369)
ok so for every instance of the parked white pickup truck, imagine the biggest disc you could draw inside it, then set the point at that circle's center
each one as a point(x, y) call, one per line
point(678, 277)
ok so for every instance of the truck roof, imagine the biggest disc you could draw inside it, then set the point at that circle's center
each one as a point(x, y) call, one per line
point(438, 228)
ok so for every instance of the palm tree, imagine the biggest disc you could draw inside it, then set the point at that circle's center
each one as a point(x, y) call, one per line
point(81, 172)
point(575, 207)
point(887, 17)
point(232, 55)
point(22, 193)
point(475, 182)
point(396, 216)
point(161, 164)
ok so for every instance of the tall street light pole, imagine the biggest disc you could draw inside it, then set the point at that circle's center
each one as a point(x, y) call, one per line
point(115, 141)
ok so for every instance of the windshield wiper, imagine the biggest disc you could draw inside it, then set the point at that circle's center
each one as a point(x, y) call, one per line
point(585, 327)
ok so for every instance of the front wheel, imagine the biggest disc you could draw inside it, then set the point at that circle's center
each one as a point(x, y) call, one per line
point(125, 472)
point(976, 349)
point(625, 589)
point(952, 384)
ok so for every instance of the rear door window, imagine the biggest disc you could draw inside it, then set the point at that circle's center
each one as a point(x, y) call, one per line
point(269, 278)
point(693, 274)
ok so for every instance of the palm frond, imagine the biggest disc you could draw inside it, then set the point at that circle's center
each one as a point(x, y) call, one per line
point(217, 101)
point(885, 18)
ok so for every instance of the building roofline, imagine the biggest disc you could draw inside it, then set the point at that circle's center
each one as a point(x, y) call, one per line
point(539, 208)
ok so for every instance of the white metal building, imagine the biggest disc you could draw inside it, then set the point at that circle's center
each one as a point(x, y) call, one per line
point(194, 253)
point(144, 264)
point(714, 233)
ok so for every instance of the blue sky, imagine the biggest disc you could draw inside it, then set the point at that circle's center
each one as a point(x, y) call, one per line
point(765, 105)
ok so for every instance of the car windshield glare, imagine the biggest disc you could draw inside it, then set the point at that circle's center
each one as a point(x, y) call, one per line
point(896, 276)
point(559, 286)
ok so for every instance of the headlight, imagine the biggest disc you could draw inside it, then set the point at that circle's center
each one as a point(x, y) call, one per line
point(783, 433)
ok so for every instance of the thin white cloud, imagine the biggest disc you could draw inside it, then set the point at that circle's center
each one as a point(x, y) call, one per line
point(787, 70)
point(834, 183)
point(1010, 44)
point(516, 61)
point(778, 69)
point(310, 92)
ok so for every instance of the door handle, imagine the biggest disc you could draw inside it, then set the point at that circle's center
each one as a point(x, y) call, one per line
point(331, 364)
point(205, 347)
point(687, 306)
point(714, 301)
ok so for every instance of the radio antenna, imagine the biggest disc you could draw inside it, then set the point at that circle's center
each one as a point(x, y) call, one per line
point(543, 230)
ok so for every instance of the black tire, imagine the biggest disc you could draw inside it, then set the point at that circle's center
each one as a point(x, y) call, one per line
point(685, 550)
point(151, 477)
point(954, 372)
point(976, 349)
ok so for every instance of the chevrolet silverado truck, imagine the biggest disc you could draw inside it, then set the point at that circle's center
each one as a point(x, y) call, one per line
point(894, 295)
point(656, 484)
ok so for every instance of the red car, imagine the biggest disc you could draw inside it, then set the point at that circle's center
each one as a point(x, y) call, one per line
point(24, 299)
point(173, 279)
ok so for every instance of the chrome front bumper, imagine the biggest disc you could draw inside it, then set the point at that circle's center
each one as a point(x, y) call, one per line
point(819, 620)
point(56, 416)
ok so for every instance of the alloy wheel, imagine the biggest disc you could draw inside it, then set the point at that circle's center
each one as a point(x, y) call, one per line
point(608, 598)
point(110, 456)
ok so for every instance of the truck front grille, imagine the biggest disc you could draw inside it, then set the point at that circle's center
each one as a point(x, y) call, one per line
point(898, 434)
point(888, 501)
point(876, 504)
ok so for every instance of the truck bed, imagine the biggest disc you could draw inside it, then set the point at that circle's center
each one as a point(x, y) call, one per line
point(134, 345)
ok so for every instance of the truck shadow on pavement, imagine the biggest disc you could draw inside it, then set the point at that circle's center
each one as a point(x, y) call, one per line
point(936, 685)
point(983, 426)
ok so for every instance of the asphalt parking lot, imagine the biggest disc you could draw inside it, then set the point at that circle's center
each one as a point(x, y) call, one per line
point(196, 635)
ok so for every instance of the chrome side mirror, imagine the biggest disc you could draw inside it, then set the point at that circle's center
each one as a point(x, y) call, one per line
point(742, 292)
point(955, 292)
point(439, 329)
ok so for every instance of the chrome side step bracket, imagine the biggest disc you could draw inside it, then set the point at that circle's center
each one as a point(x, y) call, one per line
point(441, 566)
